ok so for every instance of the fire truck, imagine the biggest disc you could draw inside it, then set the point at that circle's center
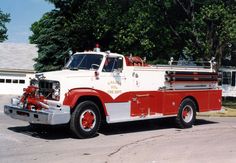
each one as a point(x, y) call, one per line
point(99, 86)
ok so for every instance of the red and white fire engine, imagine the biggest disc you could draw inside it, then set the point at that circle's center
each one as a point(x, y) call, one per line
point(96, 86)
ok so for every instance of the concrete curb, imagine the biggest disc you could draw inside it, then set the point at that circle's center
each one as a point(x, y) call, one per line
point(224, 112)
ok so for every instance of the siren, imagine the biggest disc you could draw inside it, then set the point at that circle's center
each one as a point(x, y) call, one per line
point(97, 48)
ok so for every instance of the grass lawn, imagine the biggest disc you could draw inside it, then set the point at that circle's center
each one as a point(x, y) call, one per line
point(229, 103)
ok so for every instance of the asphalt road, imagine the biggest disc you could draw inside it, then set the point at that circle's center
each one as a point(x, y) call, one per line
point(212, 139)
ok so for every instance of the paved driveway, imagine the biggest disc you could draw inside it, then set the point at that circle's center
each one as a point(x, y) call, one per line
point(210, 140)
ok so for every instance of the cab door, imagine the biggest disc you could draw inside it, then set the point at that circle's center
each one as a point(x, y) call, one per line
point(112, 77)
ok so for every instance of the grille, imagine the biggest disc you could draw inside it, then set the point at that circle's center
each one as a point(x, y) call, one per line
point(48, 88)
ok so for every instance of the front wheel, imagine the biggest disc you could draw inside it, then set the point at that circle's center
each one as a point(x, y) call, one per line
point(85, 120)
point(187, 113)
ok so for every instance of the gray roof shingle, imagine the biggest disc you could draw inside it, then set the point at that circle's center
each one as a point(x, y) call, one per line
point(17, 56)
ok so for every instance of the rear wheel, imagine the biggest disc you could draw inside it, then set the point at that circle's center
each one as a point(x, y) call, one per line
point(187, 113)
point(85, 120)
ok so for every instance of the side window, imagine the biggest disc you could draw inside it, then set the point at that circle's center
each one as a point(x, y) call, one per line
point(226, 78)
point(113, 63)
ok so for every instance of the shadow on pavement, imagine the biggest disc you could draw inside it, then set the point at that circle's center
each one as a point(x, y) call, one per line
point(44, 132)
point(147, 125)
point(199, 122)
point(63, 132)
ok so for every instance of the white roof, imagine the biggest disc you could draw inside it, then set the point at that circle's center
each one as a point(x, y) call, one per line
point(101, 53)
point(17, 56)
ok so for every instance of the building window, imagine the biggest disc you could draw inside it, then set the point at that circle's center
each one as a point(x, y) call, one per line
point(226, 78)
point(22, 81)
point(15, 81)
point(8, 80)
point(2, 80)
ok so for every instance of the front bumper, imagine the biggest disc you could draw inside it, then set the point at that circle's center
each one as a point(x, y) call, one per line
point(51, 116)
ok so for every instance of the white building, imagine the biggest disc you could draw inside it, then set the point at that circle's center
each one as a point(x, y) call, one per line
point(228, 82)
point(16, 67)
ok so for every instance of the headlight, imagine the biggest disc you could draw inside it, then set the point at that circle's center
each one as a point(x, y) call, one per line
point(56, 90)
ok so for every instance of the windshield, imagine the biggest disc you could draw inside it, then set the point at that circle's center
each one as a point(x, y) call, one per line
point(84, 61)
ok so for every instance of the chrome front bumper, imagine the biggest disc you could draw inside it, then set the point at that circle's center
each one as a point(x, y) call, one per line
point(51, 116)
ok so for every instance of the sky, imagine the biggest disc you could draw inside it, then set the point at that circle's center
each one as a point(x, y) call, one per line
point(23, 13)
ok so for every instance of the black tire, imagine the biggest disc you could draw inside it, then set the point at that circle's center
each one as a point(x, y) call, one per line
point(85, 120)
point(187, 114)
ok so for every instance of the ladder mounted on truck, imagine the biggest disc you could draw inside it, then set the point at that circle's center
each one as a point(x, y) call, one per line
point(199, 75)
point(204, 66)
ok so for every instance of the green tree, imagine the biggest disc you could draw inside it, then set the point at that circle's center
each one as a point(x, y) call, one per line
point(201, 29)
point(50, 37)
point(178, 16)
point(71, 26)
point(4, 18)
point(154, 29)
point(142, 31)
point(215, 30)
point(111, 23)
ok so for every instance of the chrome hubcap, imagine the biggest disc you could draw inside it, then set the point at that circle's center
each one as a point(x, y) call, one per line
point(187, 113)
